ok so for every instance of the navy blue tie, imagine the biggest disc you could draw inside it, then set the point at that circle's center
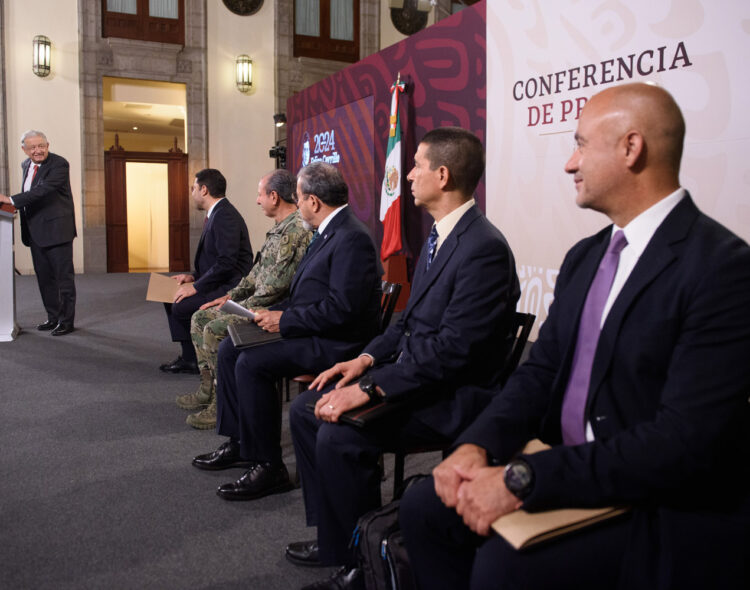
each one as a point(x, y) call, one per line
point(431, 245)
point(314, 237)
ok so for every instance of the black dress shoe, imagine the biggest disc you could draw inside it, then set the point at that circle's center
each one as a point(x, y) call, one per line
point(262, 479)
point(226, 456)
point(48, 325)
point(345, 578)
point(62, 329)
point(304, 553)
point(180, 365)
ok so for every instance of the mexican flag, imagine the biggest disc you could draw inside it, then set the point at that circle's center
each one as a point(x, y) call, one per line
point(390, 193)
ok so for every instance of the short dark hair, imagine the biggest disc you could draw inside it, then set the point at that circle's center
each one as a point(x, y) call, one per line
point(460, 151)
point(213, 180)
point(325, 182)
point(283, 182)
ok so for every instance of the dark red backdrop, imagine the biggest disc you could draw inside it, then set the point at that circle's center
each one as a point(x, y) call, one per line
point(444, 69)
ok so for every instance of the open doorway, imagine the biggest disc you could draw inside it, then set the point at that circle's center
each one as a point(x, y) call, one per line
point(146, 186)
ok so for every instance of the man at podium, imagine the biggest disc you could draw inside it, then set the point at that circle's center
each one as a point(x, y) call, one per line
point(48, 227)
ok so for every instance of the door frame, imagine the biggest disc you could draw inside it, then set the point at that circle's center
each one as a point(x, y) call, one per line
point(115, 198)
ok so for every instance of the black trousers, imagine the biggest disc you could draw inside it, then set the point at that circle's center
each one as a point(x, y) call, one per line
point(340, 472)
point(248, 403)
point(55, 275)
point(445, 554)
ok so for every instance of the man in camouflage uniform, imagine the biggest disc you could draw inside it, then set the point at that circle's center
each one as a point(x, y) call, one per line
point(267, 283)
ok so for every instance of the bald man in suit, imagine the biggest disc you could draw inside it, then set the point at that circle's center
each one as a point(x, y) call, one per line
point(650, 410)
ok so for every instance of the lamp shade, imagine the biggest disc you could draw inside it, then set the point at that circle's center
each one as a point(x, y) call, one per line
point(244, 73)
point(40, 59)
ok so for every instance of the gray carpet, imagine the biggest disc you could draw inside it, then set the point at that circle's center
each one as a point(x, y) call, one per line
point(96, 486)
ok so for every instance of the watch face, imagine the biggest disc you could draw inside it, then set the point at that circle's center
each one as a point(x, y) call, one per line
point(518, 476)
point(366, 384)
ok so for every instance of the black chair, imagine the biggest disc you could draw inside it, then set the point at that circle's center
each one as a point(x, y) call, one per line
point(391, 291)
point(522, 324)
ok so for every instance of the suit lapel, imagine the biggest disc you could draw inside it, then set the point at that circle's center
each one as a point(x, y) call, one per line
point(200, 241)
point(579, 287)
point(320, 243)
point(206, 229)
point(658, 255)
point(423, 279)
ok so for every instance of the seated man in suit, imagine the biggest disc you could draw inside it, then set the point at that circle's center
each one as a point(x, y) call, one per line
point(331, 312)
point(267, 283)
point(223, 257)
point(639, 380)
point(454, 331)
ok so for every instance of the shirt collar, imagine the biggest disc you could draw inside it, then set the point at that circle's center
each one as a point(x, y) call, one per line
point(327, 220)
point(279, 227)
point(446, 224)
point(211, 208)
point(641, 229)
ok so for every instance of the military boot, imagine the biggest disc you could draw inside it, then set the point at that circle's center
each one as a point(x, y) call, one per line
point(205, 419)
point(202, 397)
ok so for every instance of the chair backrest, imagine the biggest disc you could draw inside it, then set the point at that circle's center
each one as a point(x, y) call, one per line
point(391, 291)
point(522, 324)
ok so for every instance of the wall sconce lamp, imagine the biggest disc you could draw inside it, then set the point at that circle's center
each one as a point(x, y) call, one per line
point(279, 119)
point(244, 73)
point(40, 59)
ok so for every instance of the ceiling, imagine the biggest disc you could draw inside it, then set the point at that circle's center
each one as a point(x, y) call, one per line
point(152, 119)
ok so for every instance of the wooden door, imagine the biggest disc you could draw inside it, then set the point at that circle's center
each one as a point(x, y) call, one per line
point(117, 209)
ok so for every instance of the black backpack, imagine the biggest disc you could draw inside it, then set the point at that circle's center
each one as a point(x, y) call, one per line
point(379, 547)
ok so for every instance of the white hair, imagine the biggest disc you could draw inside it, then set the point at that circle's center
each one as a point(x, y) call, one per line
point(32, 133)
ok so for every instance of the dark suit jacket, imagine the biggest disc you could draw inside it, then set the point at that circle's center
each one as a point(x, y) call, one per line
point(455, 329)
point(668, 403)
point(335, 293)
point(46, 209)
point(224, 254)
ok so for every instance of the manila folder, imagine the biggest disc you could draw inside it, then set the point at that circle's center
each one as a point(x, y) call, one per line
point(523, 529)
point(161, 288)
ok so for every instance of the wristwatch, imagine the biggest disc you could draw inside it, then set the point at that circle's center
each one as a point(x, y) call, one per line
point(367, 385)
point(519, 478)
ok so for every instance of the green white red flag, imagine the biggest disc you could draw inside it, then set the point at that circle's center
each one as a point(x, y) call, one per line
point(390, 193)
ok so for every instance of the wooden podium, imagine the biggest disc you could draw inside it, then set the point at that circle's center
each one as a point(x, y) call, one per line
point(8, 327)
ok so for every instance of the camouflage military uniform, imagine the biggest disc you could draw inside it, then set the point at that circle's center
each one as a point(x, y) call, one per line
point(267, 283)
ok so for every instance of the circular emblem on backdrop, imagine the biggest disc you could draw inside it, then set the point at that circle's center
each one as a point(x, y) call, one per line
point(244, 7)
point(392, 180)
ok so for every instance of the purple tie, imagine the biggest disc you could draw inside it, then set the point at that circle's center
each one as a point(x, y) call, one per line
point(574, 403)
